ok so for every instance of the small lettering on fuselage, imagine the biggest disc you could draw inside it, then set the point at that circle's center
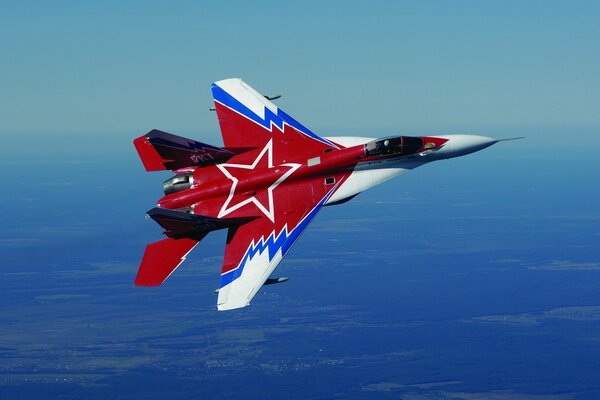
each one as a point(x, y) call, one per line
point(197, 158)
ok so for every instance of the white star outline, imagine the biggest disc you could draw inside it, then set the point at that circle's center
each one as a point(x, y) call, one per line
point(270, 212)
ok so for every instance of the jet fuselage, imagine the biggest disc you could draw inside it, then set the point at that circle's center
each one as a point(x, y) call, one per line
point(210, 183)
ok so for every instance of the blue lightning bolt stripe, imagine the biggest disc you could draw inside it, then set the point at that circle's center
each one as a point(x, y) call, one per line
point(278, 119)
point(283, 241)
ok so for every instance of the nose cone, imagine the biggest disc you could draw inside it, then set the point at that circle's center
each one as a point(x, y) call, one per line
point(460, 145)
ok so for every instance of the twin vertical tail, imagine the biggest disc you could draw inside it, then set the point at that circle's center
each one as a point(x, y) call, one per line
point(161, 151)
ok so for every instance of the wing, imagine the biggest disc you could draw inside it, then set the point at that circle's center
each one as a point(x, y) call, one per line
point(249, 120)
point(254, 250)
point(283, 211)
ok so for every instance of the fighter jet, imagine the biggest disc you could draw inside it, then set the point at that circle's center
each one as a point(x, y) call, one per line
point(265, 185)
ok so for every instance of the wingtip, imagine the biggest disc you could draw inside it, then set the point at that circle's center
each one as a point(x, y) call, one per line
point(221, 81)
point(229, 306)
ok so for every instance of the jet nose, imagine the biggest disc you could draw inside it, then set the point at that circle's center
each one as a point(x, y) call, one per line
point(460, 145)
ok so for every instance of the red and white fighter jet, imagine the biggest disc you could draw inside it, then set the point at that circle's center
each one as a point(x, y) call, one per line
point(265, 185)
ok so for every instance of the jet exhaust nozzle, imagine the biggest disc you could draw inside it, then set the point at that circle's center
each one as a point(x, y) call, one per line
point(177, 183)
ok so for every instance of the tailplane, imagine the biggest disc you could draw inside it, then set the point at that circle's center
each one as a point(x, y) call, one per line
point(161, 259)
point(184, 231)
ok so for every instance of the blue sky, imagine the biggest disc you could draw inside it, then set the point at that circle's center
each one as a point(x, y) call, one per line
point(375, 68)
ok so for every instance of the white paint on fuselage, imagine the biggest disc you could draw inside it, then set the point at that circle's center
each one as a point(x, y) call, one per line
point(349, 141)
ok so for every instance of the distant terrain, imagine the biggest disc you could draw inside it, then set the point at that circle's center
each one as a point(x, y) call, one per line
point(465, 279)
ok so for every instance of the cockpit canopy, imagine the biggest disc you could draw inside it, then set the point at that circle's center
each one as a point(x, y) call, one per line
point(394, 145)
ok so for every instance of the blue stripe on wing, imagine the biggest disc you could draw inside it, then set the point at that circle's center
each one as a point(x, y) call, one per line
point(272, 244)
point(278, 119)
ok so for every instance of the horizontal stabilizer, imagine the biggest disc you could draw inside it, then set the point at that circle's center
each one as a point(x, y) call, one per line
point(163, 151)
point(161, 259)
point(180, 224)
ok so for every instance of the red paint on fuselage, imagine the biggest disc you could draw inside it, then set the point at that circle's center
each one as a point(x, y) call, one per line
point(213, 186)
point(212, 183)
